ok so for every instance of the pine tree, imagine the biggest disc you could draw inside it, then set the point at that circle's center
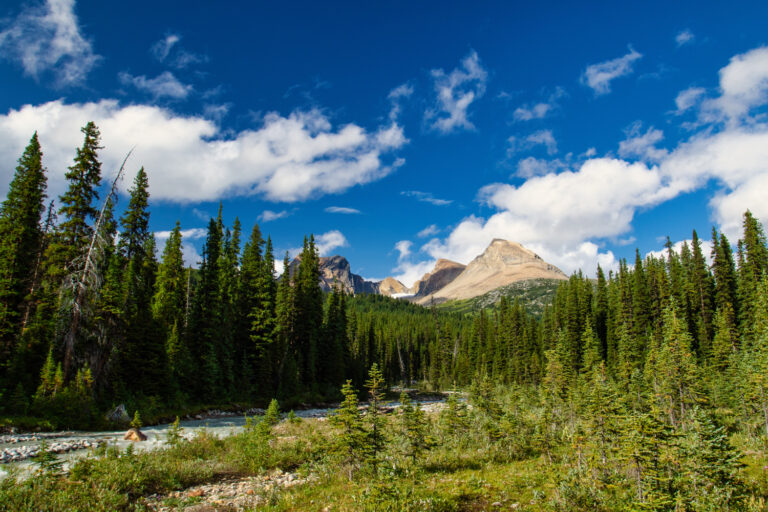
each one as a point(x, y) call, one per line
point(374, 417)
point(413, 428)
point(285, 378)
point(206, 318)
point(168, 303)
point(710, 466)
point(353, 439)
point(676, 369)
point(21, 238)
point(77, 205)
point(702, 288)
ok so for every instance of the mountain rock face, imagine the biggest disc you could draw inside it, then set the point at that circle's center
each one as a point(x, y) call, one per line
point(442, 275)
point(391, 286)
point(336, 269)
point(502, 263)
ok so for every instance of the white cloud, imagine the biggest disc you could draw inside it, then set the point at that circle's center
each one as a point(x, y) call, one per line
point(191, 257)
point(216, 112)
point(688, 98)
point(706, 249)
point(180, 59)
point(532, 166)
point(406, 271)
point(403, 247)
point(456, 91)
point(162, 48)
point(329, 241)
point(342, 209)
point(540, 110)
point(395, 97)
point(47, 38)
point(202, 215)
point(545, 138)
point(642, 145)
point(426, 197)
point(565, 216)
point(189, 159)
point(430, 230)
point(684, 37)
point(269, 215)
point(186, 234)
point(165, 85)
point(599, 76)
point(743, 86)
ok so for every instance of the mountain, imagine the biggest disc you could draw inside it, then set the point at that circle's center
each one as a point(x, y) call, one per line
point(391, 286)
point(444, 272)
point(502, 263)
point(336, 269)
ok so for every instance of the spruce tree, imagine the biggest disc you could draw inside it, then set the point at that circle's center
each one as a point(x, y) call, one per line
point(21, 237)
point(353, 440)
point(78, 205)
point(168, 304)
point(374, 416)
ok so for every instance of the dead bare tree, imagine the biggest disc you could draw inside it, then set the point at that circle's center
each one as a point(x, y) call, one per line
point(88, 278)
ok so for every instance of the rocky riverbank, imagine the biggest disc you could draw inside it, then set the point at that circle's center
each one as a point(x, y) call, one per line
point(231, 495)
point(27, 452)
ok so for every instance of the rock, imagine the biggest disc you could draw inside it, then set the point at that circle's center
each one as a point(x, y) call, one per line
point(134, 434)
point(118, 415)
point(196, 493)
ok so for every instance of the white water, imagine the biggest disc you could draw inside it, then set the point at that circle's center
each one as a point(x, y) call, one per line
point(157, 435)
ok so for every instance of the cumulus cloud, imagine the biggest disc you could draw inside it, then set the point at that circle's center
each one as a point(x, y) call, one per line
point(456, 91)
point(565, 215)
point(269, 215)
point(342, 210)
point(430, 230)
point(677, 247)
point(329, 241)
point(684, 37)
point(426, 197)
point(530, 111)
point(743, 86)
point(642, 145)
point(189, 159)
point(164, 85)
point(599, 76)
point(47, 37)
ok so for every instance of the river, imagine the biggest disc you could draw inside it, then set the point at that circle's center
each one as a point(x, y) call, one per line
point(78, 444)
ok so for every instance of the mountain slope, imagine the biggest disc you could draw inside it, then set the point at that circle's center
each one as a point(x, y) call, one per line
point(501, 264)
point(443, 274)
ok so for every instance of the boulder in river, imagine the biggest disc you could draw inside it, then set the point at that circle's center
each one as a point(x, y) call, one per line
point(119, 415)
point(134, 434)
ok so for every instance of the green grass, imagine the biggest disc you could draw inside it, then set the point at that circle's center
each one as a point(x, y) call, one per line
point(485, 464)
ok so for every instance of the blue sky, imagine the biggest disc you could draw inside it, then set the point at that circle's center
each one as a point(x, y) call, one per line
point(403, 132)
